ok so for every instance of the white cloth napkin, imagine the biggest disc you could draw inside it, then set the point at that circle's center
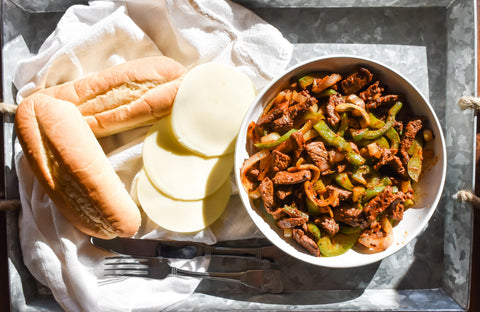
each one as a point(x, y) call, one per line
point(89, 39)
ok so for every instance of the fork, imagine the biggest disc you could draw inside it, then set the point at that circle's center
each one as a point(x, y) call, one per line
point(268, 280)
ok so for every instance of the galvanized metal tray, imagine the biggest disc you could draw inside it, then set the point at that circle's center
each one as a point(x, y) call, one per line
point(431, 273)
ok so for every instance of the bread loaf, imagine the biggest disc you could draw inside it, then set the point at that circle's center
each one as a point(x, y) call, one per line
point(125, 96)
point(70, 164)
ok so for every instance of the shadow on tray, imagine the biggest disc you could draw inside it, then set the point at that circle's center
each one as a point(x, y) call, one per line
point(303, 283)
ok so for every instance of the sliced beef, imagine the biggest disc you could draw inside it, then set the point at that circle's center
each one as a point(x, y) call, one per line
point(288, 178)
point(318, 154)
point(266, 191)
point(342, 193)
point(373, 92)
point(396, 209)
point(398, 126)
point(351, 216)
point(328, 224)
point(269, 117)
point(300, 107)
point(333, 117)
point(280, 161)
point(281, 117)
point(285, 146)
point(411, 130)
point(253, 173)
point(277, 214)
point(300, 198)
point(356, 81)
point(381, 202)
point(386, 100)
point(283, 123)
point(305, 241)
point(298, 143)
point(283, 191)
point(290, 223)
point(389, 158)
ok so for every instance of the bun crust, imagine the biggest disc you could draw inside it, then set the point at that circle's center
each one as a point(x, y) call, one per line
point(70, 164)
point(125, 96)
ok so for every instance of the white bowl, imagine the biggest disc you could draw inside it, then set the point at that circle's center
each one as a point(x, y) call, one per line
point(429, 187)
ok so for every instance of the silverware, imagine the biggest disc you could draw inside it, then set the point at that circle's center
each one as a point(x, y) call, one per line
point(181, 250)
point(160, 268)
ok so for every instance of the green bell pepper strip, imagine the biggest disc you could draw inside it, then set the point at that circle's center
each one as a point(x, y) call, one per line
point(327, 92)
point(343, 180)
point(391, 133)
point(343, 124)
point(338, 244)
point(346, 229)
point(335, 140)
point(375, 134)
point(314, 230)
point(381, 141)
point(372, 192)
point(358, 173)
point(305, 81)
point(375, 123)
point(313, 116)
point(414, 166)
point(294, 212)
point(408, 203)
point(386, 181)
point(319, 186)
point(415, 143)
point(394, 138)
point(280, 140)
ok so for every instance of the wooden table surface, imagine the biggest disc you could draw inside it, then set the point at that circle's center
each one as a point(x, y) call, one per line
point(475, 287)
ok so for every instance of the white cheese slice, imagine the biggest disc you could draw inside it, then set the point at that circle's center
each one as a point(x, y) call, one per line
point(181, 215)
point(133, 189)
point(178, 172)
point(209, 108)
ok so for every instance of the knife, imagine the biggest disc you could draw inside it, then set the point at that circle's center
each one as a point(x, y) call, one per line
point(180, 249)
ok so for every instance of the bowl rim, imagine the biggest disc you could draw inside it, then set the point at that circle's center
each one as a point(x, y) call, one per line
point(280, 242)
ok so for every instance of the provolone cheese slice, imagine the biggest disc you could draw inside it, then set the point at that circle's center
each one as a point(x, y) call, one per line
point(178, 172)
point(181, 215)
point(133, 189)
point(209, 108)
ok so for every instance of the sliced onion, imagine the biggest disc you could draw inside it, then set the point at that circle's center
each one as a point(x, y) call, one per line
point(378, 241)
point(343, 107)
point(299, 98)
point(252, 133)
point(271, 137)
point(374, 150)
point(310, 134)
point(314, 169)
point(332, 199)
point(306, 127)
point(320, 84)
point(353, 98)
point(287, 233)
point(386, 225)
point(248, 164)
point(264, 167)
point(255, 194)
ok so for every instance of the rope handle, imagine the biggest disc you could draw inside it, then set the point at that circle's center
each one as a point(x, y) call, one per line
point(469, 102)
point(468, 197)
point(8, 204)
point(466, 102)
point(8, 109)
